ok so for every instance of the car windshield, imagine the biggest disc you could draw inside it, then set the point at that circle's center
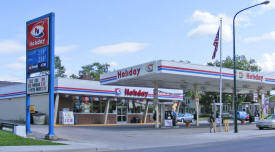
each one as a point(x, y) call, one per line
point(270, 117)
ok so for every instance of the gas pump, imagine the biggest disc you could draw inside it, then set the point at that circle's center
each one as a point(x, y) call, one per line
point(216, 111)
point(166, 114)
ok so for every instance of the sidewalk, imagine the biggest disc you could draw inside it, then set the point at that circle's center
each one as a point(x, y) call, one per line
point(121, 137)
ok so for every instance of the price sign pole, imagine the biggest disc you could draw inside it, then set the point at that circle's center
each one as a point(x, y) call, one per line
point(40, 58)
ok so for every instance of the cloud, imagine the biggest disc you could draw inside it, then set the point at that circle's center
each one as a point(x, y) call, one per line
point(113, 64)
point(11, 78)
point(209, 24)
point(116, 49)
point(11, 46)
point(22, 59)
point(267, 62)
point(17, 66)
point(65, 49)
point(266, 36)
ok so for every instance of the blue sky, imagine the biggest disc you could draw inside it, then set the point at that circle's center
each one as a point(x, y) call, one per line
point(129, 32)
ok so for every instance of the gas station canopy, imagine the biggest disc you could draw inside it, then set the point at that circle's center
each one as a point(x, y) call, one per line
point(179, 75)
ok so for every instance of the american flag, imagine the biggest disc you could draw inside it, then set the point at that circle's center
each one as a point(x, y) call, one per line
point(216, 44)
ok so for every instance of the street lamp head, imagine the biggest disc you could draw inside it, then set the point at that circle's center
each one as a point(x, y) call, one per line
point(265, 2)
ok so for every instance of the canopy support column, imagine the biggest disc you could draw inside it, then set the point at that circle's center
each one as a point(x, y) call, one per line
point(162, 115)
point(146, 111)
point(156, 105)
point(106, 111)
point(178, 107)
point(56, 104)
point(260, 102)
point(197, 104)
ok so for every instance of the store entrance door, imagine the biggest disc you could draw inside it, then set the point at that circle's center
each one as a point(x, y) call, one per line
point(121, 114)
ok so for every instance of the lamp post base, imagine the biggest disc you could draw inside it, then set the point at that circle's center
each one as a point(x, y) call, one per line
point(51, 137)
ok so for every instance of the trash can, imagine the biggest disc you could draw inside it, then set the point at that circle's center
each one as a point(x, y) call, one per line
point(39, 118)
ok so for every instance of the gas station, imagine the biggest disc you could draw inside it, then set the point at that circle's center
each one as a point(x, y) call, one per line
point(179, 75)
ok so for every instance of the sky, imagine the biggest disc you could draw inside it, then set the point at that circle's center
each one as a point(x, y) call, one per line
point(124, 33)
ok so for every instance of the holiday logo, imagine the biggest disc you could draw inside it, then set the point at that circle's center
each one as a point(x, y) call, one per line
point(149, 68)
point(37, 31)
point(117, 91)
point(240, 75)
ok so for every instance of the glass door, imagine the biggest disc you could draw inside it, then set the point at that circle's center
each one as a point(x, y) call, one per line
point(121, 114)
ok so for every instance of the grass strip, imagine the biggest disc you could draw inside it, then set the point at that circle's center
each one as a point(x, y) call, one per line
point(10, 139)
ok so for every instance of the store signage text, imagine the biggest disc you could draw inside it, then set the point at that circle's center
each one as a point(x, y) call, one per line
point(128, 92)
point(37, 85)
point(128, 73)
point(251, 76)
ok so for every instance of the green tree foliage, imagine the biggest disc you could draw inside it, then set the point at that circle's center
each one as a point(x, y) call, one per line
point(93, 71)
point(73, 76)
point(206, 99)
point(241, 63)
point(272, 98)
point(59, 69)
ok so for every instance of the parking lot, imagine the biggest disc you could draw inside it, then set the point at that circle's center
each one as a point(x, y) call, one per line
point(142, 136)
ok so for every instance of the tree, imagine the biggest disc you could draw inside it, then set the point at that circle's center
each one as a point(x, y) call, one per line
point(241, 64)
point(93, 71)
point(59, 69)
point(73, 76)
point(272, 98)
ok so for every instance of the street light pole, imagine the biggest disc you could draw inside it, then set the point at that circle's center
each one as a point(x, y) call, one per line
point(234, 61)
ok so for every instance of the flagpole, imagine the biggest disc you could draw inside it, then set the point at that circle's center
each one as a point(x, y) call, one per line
point(221, 106)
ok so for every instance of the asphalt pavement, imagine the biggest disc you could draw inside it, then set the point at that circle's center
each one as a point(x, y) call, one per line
point(256, 144)
point(131, 137)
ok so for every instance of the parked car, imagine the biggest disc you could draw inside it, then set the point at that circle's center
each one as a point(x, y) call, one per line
point(267, 122)
point(186, 117)
point(242, 115)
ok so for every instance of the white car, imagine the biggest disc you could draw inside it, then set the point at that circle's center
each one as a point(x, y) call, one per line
point(267, 122)
point(186, 117)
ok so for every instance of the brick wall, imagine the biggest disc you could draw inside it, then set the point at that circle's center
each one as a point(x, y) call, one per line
point(140, 117)
point(94, 118)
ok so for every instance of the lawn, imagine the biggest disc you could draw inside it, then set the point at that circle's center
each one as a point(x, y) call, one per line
point(9, 139)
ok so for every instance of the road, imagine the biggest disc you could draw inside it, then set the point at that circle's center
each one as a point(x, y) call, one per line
point(144, 138)
point(256, 144)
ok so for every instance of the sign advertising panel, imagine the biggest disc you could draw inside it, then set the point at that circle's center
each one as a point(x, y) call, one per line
point(37, 85)
point(37, 60)
point(38, 45)
point(66, 117)
point(38, 34)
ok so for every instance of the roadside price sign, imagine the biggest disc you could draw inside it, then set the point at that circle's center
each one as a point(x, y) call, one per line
point(37, 85)
point(38, 45)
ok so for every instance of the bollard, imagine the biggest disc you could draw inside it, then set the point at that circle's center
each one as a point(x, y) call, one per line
point(140, 121)
point(187, 124)
point(226, 126)
point(243, 122)
point(214, 126)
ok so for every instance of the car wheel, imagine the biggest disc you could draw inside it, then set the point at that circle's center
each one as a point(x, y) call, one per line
point(261, 128)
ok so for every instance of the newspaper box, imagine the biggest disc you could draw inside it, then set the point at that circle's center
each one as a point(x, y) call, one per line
point(168, 123)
